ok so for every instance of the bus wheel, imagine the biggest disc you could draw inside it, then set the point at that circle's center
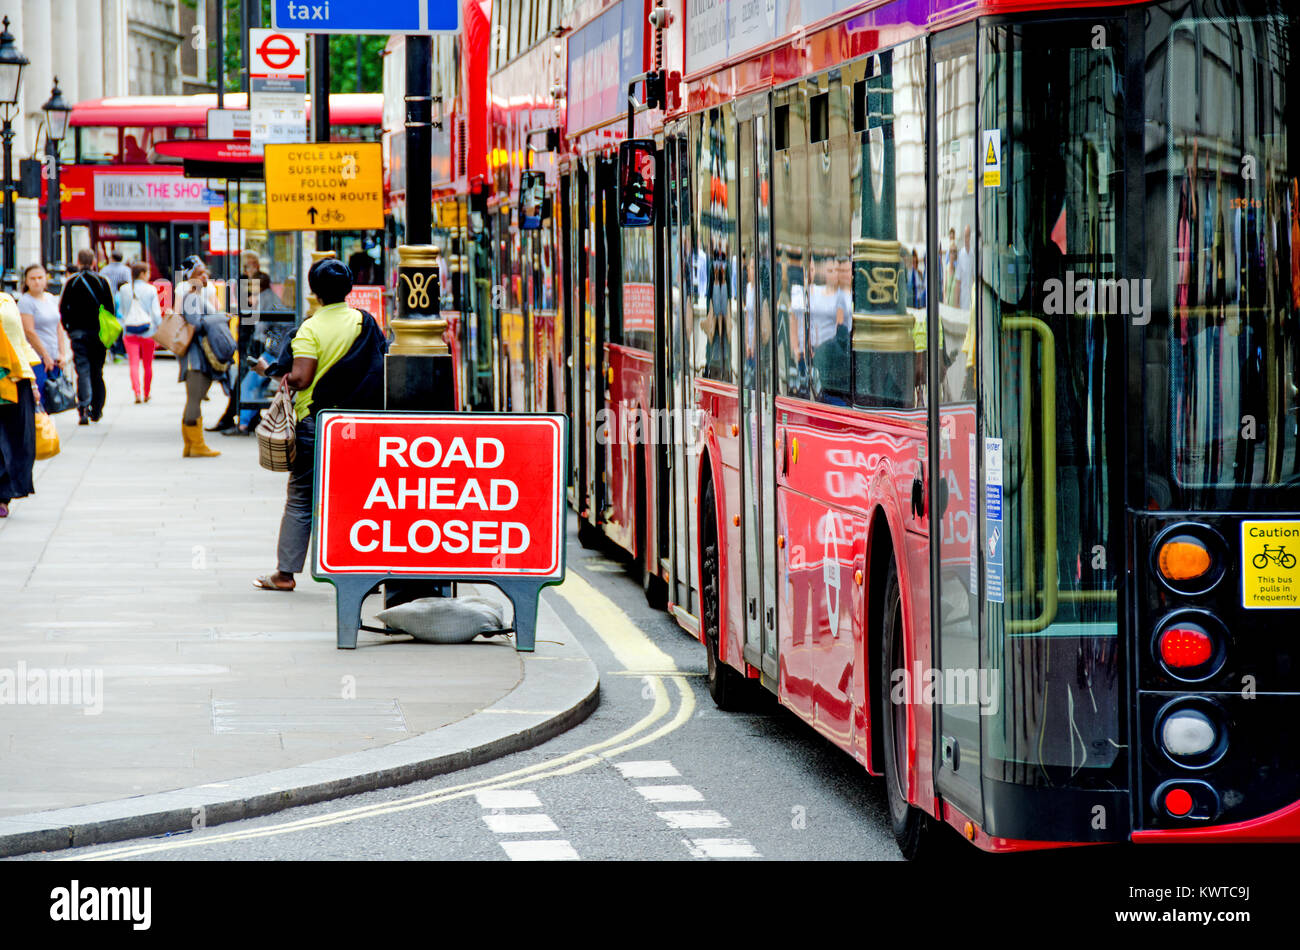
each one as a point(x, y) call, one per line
point(725, 684)
point(911, 826)
point(589, 536)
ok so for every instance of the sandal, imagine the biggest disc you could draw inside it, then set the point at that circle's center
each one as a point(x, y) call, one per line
point(4, 511)
point(267, 582)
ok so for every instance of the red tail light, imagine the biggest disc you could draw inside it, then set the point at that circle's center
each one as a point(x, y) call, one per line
point(1186, 646)
point(1178, 802)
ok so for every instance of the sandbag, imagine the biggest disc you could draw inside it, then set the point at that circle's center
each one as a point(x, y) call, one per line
point(446, 619)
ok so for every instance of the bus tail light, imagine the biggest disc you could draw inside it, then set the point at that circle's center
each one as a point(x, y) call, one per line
point(1183, 558)
point(1186, 646)
point(1178, 802)
point(1188, 733)
point(1191, 733)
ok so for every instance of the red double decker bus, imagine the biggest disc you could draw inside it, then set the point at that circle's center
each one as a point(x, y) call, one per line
point(964, 418)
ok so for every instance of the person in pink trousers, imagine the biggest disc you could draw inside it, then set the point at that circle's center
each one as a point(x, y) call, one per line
point(141, 315)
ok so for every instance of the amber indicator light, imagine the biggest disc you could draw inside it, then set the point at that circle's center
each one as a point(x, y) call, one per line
point(1183, 559)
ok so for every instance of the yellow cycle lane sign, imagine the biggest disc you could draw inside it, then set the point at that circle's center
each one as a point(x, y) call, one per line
point(1270, 576)
point(324, 186)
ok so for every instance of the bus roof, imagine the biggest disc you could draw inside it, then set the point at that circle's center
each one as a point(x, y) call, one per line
point(181, 111)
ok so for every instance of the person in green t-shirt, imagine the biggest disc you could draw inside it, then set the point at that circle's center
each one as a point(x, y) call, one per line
point(322, 340)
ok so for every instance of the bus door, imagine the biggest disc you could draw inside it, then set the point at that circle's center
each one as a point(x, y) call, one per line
point(580, 341)
point(676, 397)
point(955, 574)
point(567, 289)
point(608, 285)
point(758, 475)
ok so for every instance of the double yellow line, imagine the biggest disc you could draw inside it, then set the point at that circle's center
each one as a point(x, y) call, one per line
point(631, 648)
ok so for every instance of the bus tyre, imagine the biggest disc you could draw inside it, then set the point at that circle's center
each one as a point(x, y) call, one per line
point(726, 686)
point(589, 536)
point(911, 826)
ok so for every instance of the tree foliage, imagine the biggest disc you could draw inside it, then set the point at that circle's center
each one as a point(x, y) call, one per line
point(343, 53)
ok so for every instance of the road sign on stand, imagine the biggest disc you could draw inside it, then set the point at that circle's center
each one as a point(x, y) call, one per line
point(439, 496)
point(366, 16)
point(324, 186)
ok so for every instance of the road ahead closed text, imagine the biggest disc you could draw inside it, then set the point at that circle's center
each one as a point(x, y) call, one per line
point(432, 494)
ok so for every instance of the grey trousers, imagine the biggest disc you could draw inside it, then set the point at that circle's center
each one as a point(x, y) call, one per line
point(295, 525)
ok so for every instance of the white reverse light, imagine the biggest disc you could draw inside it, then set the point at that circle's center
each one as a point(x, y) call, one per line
point(1188, 732)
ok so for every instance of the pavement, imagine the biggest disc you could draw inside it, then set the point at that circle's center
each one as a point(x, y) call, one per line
point(164, 692)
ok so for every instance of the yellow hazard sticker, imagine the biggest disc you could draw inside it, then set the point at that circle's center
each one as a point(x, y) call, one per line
point(1270, 576)
point(993, 158)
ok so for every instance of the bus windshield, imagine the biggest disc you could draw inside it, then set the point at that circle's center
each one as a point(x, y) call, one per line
point(1223, 239)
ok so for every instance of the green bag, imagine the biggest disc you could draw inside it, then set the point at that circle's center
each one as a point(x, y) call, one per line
point(109, 328)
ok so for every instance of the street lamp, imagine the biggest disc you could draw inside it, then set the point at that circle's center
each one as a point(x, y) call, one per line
point(12, 62)
point(56, 112)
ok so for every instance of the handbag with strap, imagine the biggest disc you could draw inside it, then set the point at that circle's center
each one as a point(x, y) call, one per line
point(175, 333)
point(60, 394)
point(137, 320)
point(109, 328)
point(47, 436)
point(276, 440)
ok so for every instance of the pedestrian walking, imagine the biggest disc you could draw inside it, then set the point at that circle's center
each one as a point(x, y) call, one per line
point(17, 406)
point(196, 370)
point(83, 294)
point(117, 274)
point(40, 312)
point(141, 315)
point(338, 362)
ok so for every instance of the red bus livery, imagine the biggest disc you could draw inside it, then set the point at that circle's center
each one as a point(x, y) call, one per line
point(974, 324)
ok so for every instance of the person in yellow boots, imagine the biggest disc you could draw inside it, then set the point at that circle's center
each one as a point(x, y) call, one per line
point(196, 370)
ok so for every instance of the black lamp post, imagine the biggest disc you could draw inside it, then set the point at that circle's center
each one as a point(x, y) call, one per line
point(56, 112)
point(12, 63)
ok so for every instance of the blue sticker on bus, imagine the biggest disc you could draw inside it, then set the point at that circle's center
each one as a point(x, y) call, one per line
point(993, 532)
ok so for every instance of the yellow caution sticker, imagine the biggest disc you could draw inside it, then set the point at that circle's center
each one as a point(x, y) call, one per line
point(1270, 575)
point(993, 158)
point(317, 186)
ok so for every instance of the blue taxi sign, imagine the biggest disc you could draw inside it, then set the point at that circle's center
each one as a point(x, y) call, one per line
point(366, 16)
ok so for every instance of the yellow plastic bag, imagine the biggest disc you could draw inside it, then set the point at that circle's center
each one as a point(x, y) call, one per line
point(47, 436)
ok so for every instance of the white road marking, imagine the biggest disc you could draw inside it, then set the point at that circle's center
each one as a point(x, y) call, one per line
point(721, 848)
point(695, 819)
point(518, 824)
point(669, 793)
point(647, 769)
point(540, 850)
point(508, 798)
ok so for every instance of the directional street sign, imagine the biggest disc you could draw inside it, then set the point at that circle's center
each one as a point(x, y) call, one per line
point(324, 186)
point(366, 16)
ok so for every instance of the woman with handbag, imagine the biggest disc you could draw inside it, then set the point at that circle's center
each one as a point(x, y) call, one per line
point(141, 315)
point(196, 372)
point(41, 324)
point(17, 406)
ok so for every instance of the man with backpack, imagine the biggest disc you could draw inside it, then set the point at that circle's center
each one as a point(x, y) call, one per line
point(84, 294)
point(338, 363)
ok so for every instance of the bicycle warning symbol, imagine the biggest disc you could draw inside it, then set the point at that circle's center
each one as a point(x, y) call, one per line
point(1268, 564)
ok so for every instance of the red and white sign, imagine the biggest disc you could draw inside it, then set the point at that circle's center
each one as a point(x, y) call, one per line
point(441, 494)
point(277, 54)
point(277, 87)
point(369, 298)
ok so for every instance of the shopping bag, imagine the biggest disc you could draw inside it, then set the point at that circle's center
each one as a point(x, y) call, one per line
point(109, 328)
point(60, 393)
point(276, 445)
point(47, 436)
point(175, 333)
